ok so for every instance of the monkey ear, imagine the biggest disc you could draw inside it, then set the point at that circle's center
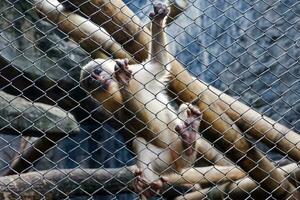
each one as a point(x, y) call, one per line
point(152, 15)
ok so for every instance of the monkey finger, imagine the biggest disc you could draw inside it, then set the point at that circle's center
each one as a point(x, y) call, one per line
point(141, 187)
point(128, 72)
point(189, 112)
point(179, 128)
point(138, 189)
point(148, 194)
point(156, 185)
point(157, 7)
point(161, 11)
point(126, 61)
point(164, 179)
point(119, 63)
point(137, 172)
point(195, 110)
point(152, 15)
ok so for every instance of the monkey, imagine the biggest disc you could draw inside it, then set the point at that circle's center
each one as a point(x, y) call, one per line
point(137, 95)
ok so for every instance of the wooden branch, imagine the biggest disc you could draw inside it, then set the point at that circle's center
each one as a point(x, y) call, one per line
point(220, 126)
point(206, 176)
point(176, 8)
point(226, 136)
point(190, 89)
point(24, 162)
point(91, 37)
point(123, 25)
point(52, 9)
point(211, 154)
point(261, 127)
point(245, 118)
point(241, 189)
point(63, 183)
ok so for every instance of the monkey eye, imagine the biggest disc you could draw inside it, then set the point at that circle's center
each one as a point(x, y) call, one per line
point(97, 71)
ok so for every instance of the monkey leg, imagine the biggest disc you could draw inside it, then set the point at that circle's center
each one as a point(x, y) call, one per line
point(202, 147)
point(144, 188)
point(188, 130)
point(220, 130)
point(151, 161)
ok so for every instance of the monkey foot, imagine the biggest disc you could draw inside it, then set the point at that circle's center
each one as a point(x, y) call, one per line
point(143, 187)
point(122, 73)
point(188, 130)
point(160, 12)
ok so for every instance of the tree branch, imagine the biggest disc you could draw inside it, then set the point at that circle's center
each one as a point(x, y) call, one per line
point(123, 25)
point(220, 127)
point(62, 183)
point(242, 188)
point(91, 37)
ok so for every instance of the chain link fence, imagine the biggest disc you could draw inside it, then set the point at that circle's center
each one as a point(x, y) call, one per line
point(66, 136)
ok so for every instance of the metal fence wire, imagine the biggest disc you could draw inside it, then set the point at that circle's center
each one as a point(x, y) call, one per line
point(142, 99)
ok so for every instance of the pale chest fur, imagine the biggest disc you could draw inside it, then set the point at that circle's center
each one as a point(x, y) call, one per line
point(151, 104)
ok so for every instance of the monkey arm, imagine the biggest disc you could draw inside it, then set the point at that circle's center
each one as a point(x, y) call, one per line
point(158, 44)
point(147, 156)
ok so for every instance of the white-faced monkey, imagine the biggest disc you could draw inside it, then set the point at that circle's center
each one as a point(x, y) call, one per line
point(164, 138)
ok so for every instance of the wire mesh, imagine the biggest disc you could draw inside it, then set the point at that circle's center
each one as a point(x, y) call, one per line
point(75, 123)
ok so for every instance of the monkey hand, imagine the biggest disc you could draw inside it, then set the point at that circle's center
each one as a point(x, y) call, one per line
point(188, 130)
point(160, 12)
point(122, 73)
point(143, 187)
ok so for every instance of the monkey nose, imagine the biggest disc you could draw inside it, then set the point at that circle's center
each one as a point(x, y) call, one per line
point(97, 71)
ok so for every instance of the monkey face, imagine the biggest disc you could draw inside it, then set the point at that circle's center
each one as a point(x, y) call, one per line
point(100, 78)
point(96, 76)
